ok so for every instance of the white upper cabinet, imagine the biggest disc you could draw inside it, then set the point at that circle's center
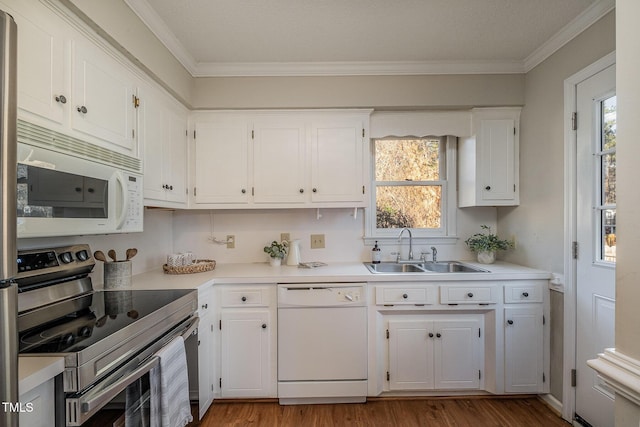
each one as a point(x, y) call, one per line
point(162, 128)
point(337, 154)
point(489, 160)
point(103, 97)
point(279, 156)
point(42, 62)
point(70, 81)
point(221, 161)
point(269, 159)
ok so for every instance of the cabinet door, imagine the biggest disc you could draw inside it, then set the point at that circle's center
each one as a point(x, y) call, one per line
point(456, 354)
point(246, 354)
point(221, 160)
point(337, 161)
point(42, 62)
point(524, 349)
point(205, 351)
point(175, 157)
point(411, 355)
point(279, 161)
point(42, 400)
point(103, 103)
point(152, 131)
point(496, 152)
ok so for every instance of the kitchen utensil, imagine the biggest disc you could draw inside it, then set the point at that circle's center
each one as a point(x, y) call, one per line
point(112, 255)
point(99, 255)
point(131, 252)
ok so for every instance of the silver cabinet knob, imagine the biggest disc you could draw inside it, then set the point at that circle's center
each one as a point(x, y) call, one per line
point(61, 99)
point(82, 109)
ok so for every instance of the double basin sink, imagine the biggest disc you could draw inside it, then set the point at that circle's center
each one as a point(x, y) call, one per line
point(423, 267)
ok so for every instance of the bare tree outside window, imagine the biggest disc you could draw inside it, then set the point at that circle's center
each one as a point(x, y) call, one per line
point(409, 181)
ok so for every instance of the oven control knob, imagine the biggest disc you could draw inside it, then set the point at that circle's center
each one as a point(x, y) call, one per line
point(82, 255)
point(85, 331)
point(66, 257)
point(68, 339)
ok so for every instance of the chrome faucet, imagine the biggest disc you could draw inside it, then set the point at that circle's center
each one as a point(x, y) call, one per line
point(410, 244)
point(434, 254)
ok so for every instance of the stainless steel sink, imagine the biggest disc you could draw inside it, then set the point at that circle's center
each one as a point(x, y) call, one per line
point(423, 267)
point(451, 267)
point(394, 267)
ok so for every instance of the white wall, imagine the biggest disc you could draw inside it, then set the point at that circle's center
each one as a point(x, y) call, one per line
point(153, 244)
point(628, 153)
point(255, 229)
point(538, 223)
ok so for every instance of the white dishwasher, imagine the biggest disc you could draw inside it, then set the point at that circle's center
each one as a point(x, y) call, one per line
point(322, 343)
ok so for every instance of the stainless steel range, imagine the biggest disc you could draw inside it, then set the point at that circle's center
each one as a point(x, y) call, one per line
point(107, 338)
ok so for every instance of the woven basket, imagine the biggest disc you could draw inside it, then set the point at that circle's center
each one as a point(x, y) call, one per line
point(199, 266)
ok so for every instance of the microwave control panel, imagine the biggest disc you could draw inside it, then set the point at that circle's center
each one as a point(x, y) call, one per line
point(134, 214)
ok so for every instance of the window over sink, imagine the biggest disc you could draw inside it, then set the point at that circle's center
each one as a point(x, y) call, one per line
point(413, 182)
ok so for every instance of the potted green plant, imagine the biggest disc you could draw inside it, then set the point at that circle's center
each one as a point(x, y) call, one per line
point(277, 251)
point(487, 244)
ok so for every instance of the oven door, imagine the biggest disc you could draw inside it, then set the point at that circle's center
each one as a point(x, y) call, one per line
point(132, 379)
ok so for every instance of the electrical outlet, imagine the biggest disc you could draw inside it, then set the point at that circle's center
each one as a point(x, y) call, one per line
point(285, 236)
point(231, 241)
point(317, 241)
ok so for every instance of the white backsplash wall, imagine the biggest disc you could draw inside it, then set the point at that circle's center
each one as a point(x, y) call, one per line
point(253, 229)
point(153, 244)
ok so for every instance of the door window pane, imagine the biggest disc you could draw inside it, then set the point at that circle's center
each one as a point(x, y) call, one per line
point(607, 165)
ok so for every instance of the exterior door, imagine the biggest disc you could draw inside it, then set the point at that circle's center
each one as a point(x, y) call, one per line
point(596, 238)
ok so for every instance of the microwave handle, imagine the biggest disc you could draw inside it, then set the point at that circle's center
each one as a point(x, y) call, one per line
point(125, 200)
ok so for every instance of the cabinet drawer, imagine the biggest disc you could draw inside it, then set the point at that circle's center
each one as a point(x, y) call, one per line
point(399, 294)
point(245, 297)
point(478, 294)
point(522, 293)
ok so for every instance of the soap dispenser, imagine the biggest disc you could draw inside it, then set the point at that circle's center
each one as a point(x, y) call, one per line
point(375, 254)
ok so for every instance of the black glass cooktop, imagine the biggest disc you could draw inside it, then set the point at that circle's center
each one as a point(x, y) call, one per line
point(100, 314)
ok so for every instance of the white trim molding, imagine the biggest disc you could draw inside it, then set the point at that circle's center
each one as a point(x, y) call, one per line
point(580, 23)
point(620, 372)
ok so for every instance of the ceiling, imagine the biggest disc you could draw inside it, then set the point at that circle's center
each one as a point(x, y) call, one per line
point(346, 37)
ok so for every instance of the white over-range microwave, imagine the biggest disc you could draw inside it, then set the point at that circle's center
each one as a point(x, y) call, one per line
point(70, 187)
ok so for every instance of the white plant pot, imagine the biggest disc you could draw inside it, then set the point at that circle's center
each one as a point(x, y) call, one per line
point(275, 262)
point(487, 257)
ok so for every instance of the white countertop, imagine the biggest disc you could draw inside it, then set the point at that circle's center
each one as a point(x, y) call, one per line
point(35, 370)
point(334, 272)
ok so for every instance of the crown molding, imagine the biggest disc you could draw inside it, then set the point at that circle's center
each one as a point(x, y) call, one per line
point(158, 27)
point(365, 68)
point(570, 31)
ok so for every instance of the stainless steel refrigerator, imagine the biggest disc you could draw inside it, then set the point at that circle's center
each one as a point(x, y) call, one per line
point(8, 246)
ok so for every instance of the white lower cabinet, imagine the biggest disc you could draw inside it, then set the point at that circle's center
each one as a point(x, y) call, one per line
point(524, 349)
point(39, 405)
point(206, 350)
point(247, 342)
point(435, 352)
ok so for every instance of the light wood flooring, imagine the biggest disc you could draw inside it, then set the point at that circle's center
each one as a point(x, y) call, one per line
point(432, 412)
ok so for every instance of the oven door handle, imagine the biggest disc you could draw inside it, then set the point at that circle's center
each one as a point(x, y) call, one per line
point(106, 395)
point(192, 328)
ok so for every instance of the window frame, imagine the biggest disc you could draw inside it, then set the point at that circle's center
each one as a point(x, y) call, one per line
point(447, 233)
